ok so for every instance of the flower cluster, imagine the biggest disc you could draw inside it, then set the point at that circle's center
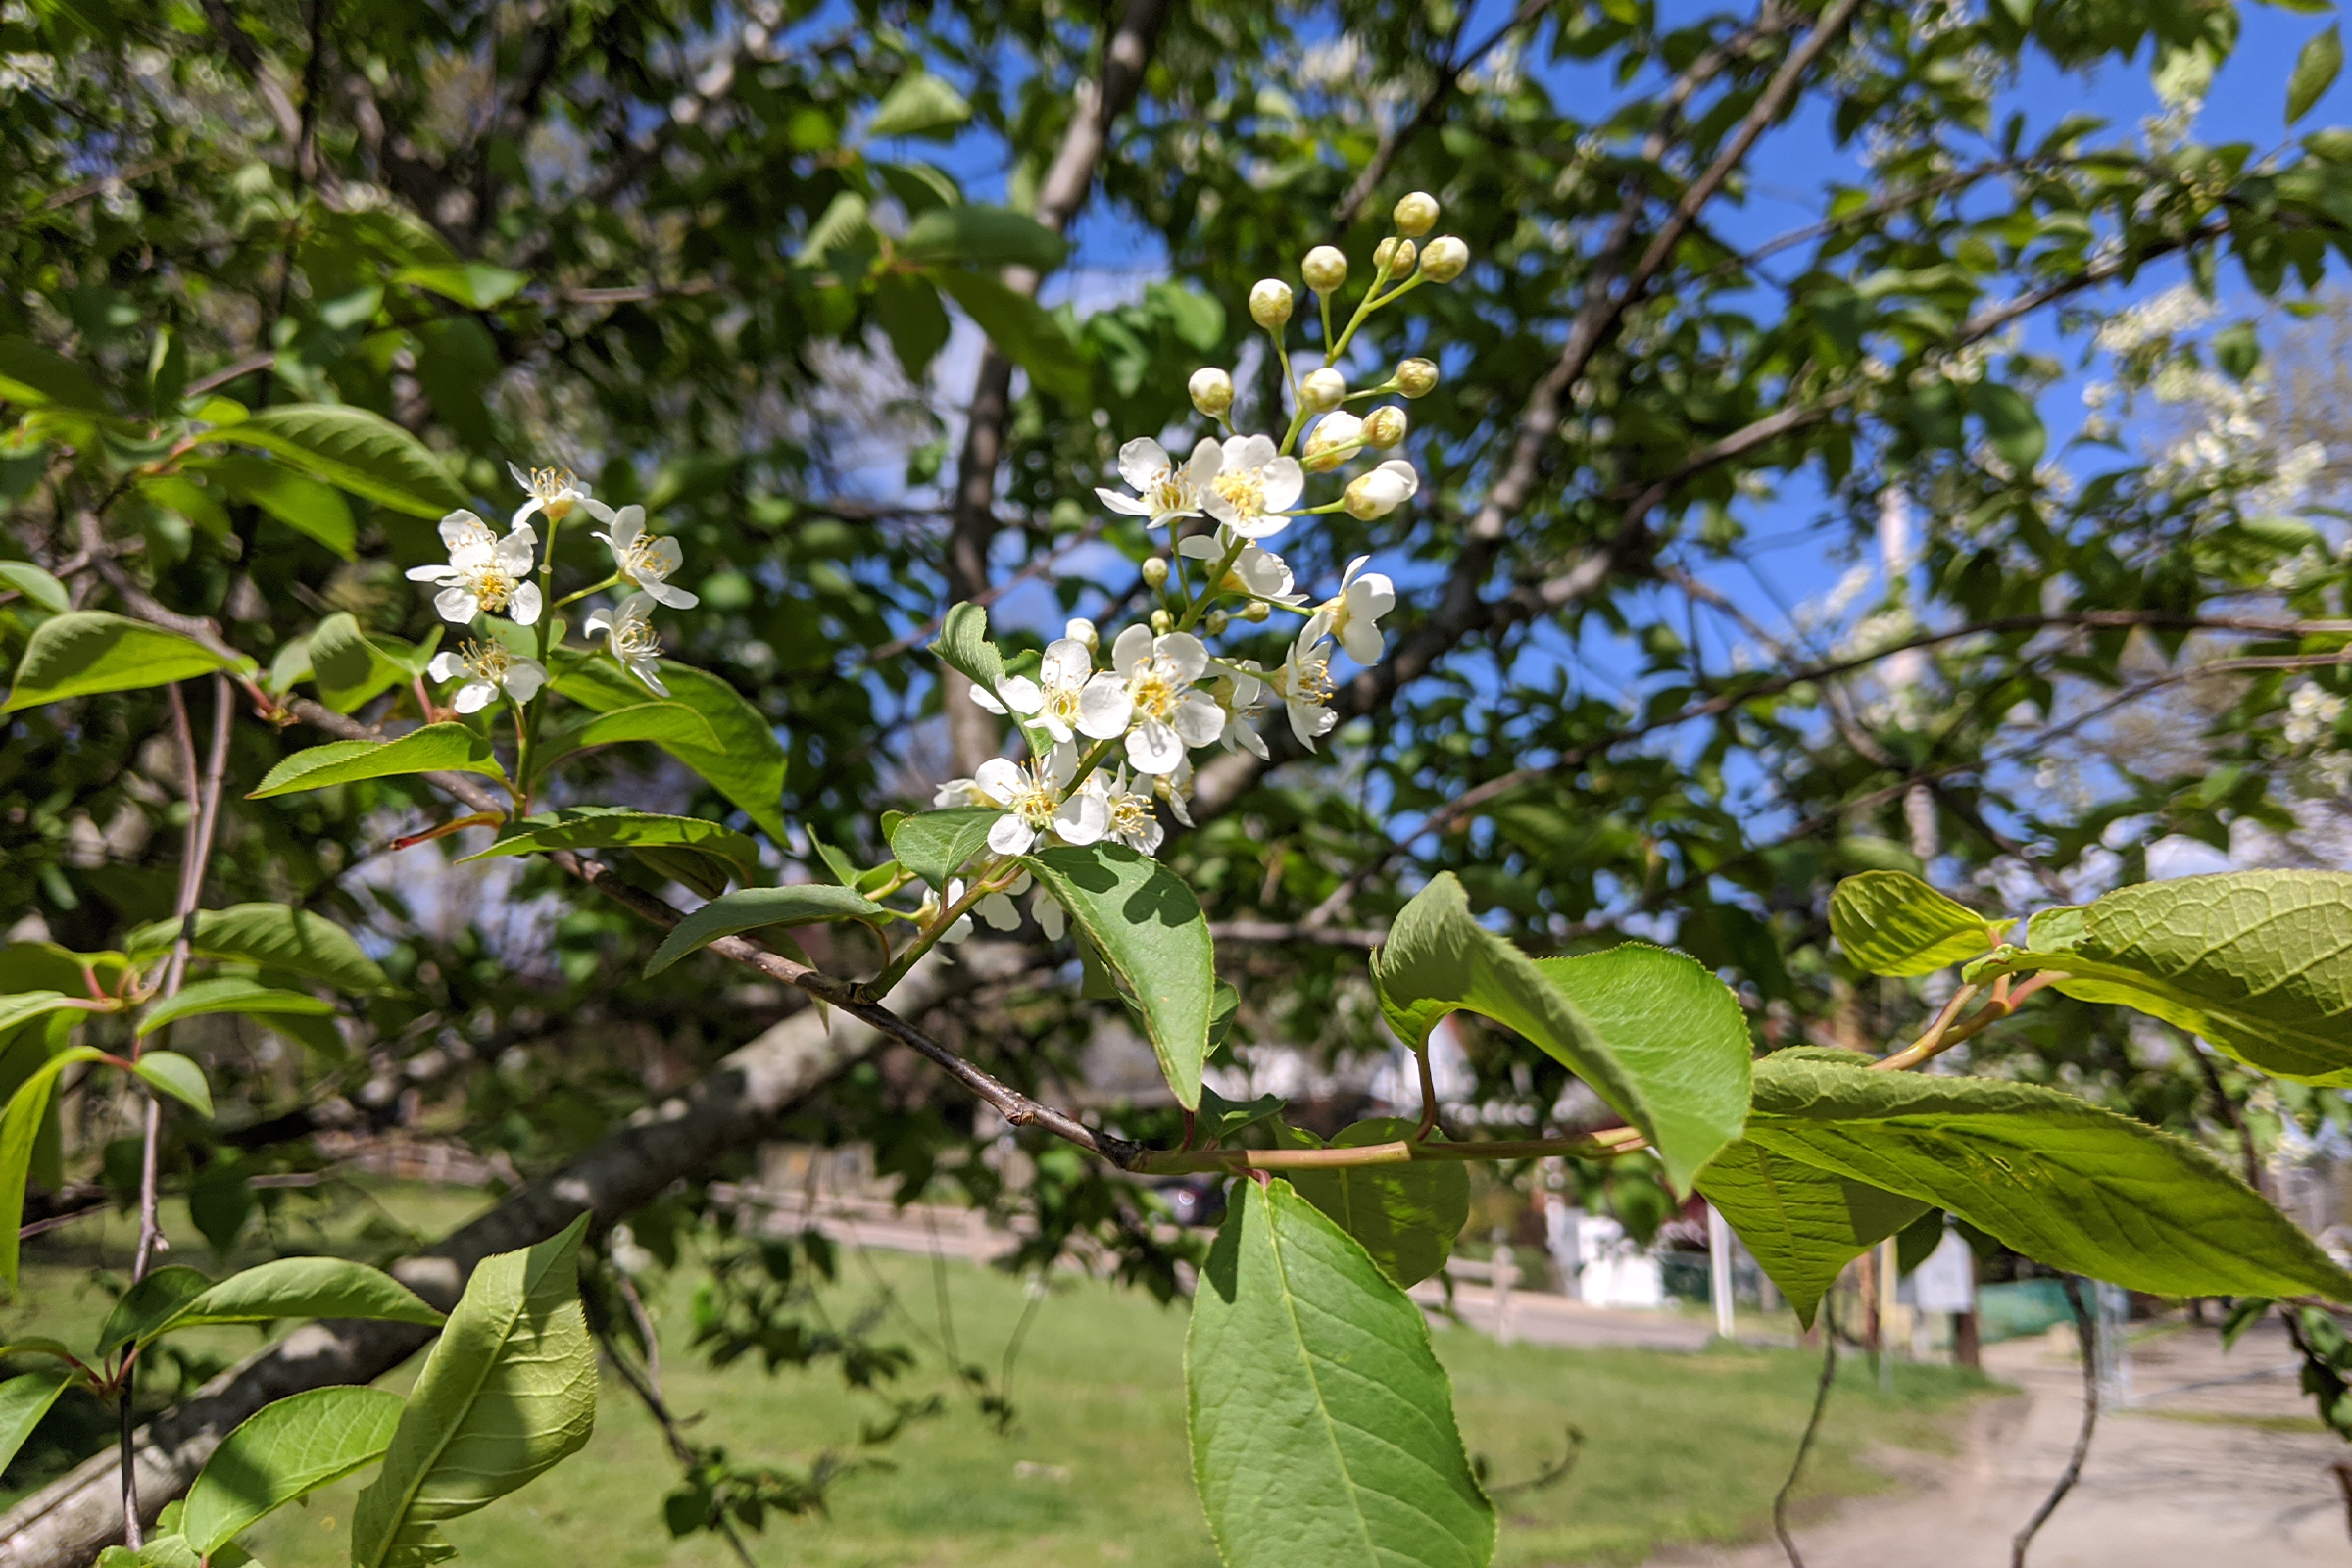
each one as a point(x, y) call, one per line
point(1110, 741)
point(489, 574)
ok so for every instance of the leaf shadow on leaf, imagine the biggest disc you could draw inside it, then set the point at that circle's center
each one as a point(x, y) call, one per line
point(1162, 900)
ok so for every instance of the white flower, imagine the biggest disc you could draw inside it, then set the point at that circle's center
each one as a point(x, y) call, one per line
point(488, 668)
point(1175, 789)
point(485, 573)
point(2311, 712)
point(632, 637)
point(1382, 491)
point(929, 909)
point(1253, 487)
point(644, 560)
point(1164, 492)
point(1241, 693)
point(1149, 698)
point(1353, 615)
point(1259, 574)
point(1048, 910)
point(1031, 799)
point(1334, 439)
point(1304, 683)
point(997, 910)
point(957, 792)
point(1061, 686)
point(1128, 811)
point(554, 492)
point(1014, 694)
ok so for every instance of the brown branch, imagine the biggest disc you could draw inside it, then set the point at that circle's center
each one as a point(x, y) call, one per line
point(2091, 1421)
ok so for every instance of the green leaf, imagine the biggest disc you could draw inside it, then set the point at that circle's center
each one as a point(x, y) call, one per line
point(1406, 1217)
point(994, 236)
point(508, 1391)
point(477, 285)
point(1664, 1042)
point(32, 375)
point(142, 1312)
point(747, 767)
point(273, 936)
point(2315, 69)
point(2257, 962)
point(26, 966)
point(1890, 922)
point(27, 1005)
point(962, 644)
point(2010, 423)
point(300, 503)
point(349, 667)
point(918, 103)
point(843, 229)
point(2050, 1175)
point(282, 1452)
point(295, 1286)
point(614, 827)
point(24, 1401)
point(664, 723)
point(171, 1073)
point(1802, 1223)
point(802, 903)
point(1148, 928)
point(1322, 1426)
point(1220, 1118)
point(434, 748)
point(35, 584)
point(354, 450)
point(86, 651)
point(231, 994)
point(1029, 334)
point(19, 1131)
point(936, 845)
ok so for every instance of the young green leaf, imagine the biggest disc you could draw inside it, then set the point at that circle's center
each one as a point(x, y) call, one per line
point(936, 845)
point(142, 1312)
point(2316, 67)
point(508, 1389)
point(962, 644)
point(1673, 1061)
point(1890, 922)
point(26, 966)
point(1323, 1429)
point(989, 236)
point(348, 667)
point(750, 908)
point(294, 1287)
point(2256, 963)
point(275, 936)
point(747, 767)
point(171, 1073)
point(231, 994)
point(24, 1401)
point(1220, 1118)
point(353, 449)
point(616, 827)
point(1148, 928)
point(1030, 335)
point(433, 749)
point(1803, 1224)
point(918, 104)
point(302, 503)
point(37, 585)
point(20, 1132)
point(476, 286)
point(1407, 1216)
point(86, 651)
point(2052, 1176)
point(283, 1452)
point(27, 1005)
point(664, 722)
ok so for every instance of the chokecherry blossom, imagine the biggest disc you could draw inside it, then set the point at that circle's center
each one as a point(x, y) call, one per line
point(1148, 696)
point(929, 910)
point(632, 638)
point(1241, 693)
point(1164, 492)
point(1353, 615)
point(1032, 800)
point(487, 669)
point(1336, 438)
point(485, 575)
point(645, 561)
point(1254, 487)
point(1258, 573)
point(1304, 683)
point(554, 492)
point(1382, 491)
point(1131, 819)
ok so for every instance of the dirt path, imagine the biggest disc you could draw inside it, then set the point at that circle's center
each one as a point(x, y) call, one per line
point(2194, 1476)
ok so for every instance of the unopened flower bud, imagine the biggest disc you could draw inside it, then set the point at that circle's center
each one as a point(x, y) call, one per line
point(1325, 268)
point(1394, 258)
point(1385, 427)
point(1270, 303)
point(1211, 390)
point(1155, 573)
point(1082, 630)
point(1382, 491)
point(1256, 610)
point(1215, 621)
point(1445, 259)
point(1163, 623)
point(1416, 215)
point(1334, 439)
point(1417, 378)
point(1322, 390)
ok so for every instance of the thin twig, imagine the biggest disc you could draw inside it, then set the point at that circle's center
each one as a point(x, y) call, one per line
point(2090, 1420)
point(1804, 1446)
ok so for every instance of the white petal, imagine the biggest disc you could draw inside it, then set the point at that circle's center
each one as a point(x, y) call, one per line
point(1010, 835)
point(1371, 596)
point(1104, 708)
point(1126, 503)
point(1208, 455)
point(524, 677)
point(1318, 627)
point(961, 929)
point(1055, 727)
point(999, 778)
point(525, 606)
point(600, 619)
point(1199, 720)
point(525, 512)
point(1061, 765)
point(1363, 642)
point(1186, 652)
point(1132, 649)
point(1354, 566)
point(986, 699)
point(596, 509)
point(1066, 662)
point(998, 912)
point(674, 598)
point(1284, 482)
point(474, 696)
point(1019, 693)
point(445, 666)
point(435, 572)
point(1200, 547)
point(646, 671)
point(1244, 453)
point(1253, 743)
point(627, 523)
point(515, 549)
point(457, 605)
point(523, 481)
point(1082, 818)
point(1142, 462)
point(1049, 915)
point(1155, 748)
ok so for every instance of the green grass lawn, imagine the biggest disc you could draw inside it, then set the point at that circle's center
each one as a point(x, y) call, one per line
point(1674, 1448)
